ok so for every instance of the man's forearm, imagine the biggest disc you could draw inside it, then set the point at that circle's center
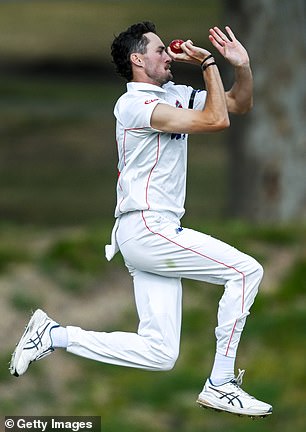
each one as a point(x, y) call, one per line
point(239, 98)
point(215, 106)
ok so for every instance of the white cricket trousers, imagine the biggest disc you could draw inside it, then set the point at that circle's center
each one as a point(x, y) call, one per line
point(158, 253)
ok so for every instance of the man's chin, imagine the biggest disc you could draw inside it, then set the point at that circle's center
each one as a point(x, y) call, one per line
point(168, 78)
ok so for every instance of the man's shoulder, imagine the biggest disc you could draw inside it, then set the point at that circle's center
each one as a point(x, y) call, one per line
point(172, 87)
point(140, 94)
point(133, 98)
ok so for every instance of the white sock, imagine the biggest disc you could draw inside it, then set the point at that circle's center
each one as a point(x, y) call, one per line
point(223, 369)
point(59, 337)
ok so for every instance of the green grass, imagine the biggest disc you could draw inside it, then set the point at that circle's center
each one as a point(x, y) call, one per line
point(8, 256)
point(58, 154)
point(294, 284)
point(272, 348)
point(57, 157)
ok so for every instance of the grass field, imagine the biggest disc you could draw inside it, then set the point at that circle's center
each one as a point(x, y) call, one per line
point(63, 271)
point(58, 159)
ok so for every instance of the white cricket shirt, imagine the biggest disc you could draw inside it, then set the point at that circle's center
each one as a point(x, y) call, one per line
point(152, 164)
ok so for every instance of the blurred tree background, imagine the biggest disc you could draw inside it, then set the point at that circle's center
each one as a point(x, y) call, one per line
point(57, 196)
point(269, 149)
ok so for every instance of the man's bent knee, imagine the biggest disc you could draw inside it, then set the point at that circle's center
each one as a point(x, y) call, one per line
point(164, 359)
point(258, 271)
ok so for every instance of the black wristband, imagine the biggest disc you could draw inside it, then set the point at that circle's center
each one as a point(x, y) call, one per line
point(209, 64)
point(206, 58)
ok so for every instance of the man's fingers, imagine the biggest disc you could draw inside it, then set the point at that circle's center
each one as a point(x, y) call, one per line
point(216, 44)
point(219, 35)
point(230, 33)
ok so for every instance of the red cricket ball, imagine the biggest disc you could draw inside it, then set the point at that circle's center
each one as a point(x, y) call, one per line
point(175, 46)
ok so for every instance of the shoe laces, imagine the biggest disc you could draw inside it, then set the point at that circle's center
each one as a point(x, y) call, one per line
point(237, 382)
point(239, 378)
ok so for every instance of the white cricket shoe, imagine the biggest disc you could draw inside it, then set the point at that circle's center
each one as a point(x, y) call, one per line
point(34, 344)
point(231, 398)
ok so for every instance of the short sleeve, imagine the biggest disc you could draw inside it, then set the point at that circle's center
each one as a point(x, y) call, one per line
point(193, 98)
point(197, 99)
point(135, 111)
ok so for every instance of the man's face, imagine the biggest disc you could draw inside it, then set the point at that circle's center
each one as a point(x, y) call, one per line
point(157, 61)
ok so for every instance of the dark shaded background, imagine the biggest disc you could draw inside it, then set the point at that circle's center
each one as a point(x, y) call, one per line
point(57, 196)
point(58, 89)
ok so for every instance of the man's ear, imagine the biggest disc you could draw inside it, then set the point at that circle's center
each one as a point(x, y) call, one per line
point(136, 59)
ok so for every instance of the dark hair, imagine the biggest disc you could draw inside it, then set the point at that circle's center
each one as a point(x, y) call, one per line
point(130, 41)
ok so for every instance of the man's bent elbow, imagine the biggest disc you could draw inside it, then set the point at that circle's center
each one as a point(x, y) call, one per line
point(221, 124)
point(249, 107)
point(226, 123)
point(212, 124)
point(220, 121)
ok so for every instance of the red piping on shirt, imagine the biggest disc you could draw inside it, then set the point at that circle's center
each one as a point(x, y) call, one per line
point(152, 169)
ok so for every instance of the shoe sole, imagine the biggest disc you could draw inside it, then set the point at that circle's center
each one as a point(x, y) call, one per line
point(38, 316)
point(207, 405)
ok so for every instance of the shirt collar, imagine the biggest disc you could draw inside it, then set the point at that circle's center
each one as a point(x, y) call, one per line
point(145, 87)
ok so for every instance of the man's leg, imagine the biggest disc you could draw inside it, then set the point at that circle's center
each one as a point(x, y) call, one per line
point(154, 347)
point(158, 246)
point(166, 249)
point(156, 344)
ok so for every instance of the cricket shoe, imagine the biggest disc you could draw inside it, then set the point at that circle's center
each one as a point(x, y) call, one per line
point(35, 343)
point(231, 398)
